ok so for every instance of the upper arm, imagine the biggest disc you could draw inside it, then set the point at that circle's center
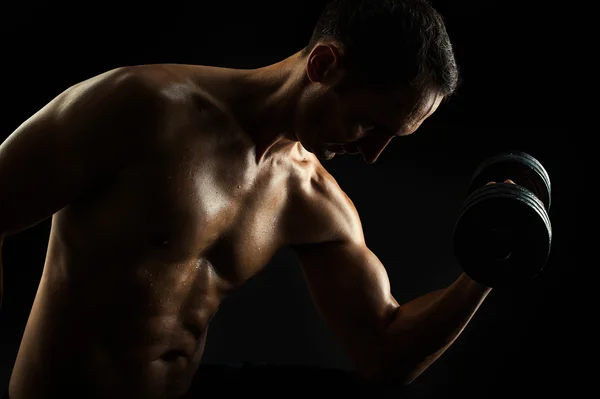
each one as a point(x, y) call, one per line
point(351, 290)
point(85, 133)
point(348, 283)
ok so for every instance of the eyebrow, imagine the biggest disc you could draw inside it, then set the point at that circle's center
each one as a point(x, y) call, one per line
point(411, 117)
point(384, 128)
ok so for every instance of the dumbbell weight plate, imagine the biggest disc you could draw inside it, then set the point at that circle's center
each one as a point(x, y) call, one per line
point(520, 167)
point(502, 236)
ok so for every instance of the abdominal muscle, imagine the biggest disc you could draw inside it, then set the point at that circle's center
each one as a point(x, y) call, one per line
point(115, 331)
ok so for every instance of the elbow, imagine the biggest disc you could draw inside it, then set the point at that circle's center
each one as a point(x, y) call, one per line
point(389, 379)
point(397, 367)
point(399, 373)
point(399, 378)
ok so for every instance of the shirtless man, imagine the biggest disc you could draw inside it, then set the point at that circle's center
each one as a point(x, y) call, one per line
point(169, 186)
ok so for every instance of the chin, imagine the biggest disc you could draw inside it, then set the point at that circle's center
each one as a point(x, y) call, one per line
point(327, 157)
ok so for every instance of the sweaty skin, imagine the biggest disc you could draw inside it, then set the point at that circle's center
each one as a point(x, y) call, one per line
point(139, 261)
point(163, 203)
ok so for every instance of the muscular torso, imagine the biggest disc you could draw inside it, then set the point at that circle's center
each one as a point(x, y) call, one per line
point(138, 265)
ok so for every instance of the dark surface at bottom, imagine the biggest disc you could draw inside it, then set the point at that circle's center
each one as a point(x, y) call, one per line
point(282, 381)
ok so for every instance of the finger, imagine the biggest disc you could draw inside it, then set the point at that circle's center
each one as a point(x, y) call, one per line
point(509, 181)
point(492, 182)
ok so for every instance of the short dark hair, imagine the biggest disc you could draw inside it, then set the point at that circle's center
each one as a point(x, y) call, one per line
point(391, 42)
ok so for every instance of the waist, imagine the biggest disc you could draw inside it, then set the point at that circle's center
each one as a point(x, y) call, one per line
point(85, 364)
point(95, 349)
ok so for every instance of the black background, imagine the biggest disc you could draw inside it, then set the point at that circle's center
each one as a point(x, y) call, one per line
point(516, 60)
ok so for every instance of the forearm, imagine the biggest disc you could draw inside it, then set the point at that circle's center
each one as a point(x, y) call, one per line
point(424, 328)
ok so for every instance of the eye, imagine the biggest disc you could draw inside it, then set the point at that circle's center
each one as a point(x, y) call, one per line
point(366, 126)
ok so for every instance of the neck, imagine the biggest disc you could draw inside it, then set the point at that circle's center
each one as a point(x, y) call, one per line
point(264, 102)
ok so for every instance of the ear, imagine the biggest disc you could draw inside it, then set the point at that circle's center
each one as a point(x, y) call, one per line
point(324, 64)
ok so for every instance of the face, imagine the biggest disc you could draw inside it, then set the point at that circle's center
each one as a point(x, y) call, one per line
point(339, 116)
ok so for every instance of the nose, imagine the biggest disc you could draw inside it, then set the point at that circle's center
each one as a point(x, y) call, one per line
point(372, 151)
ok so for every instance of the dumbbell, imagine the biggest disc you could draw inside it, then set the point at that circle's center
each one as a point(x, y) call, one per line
point(503, 233)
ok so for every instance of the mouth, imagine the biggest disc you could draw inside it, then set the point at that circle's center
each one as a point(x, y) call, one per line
point(336, 149)
point(324, 155)
point(330, 150)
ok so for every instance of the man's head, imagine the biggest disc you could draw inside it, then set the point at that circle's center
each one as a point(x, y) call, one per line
point(376, 69)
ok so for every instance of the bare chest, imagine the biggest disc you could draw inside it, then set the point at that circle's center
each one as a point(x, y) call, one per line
point(186, 202)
